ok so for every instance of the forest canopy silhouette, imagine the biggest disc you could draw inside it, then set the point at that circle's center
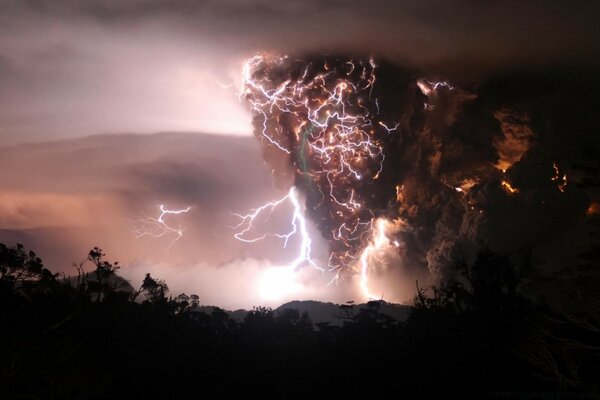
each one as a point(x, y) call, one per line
point(92, 334)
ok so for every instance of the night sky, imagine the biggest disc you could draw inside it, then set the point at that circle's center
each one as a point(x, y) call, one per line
point(109, 109)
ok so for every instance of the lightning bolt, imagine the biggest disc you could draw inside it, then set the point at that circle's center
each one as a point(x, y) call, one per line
point(378, 244)
point(297, 223)
point(429, 89)
point(158, 227)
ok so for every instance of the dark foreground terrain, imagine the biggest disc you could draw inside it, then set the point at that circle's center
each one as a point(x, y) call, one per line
point(94, 336)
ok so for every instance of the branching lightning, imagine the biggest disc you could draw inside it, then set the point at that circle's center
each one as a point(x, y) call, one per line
point(298, 226)
point(429, 89)
point(158, 227)
point(326, 119)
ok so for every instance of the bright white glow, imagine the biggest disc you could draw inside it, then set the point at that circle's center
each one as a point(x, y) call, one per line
point(278, 284)
point(379, 242)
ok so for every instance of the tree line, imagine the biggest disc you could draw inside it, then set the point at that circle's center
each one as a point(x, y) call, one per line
point(486, 332)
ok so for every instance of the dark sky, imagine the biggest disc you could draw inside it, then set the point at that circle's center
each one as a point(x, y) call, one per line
point(70, 69)
point(82, 67)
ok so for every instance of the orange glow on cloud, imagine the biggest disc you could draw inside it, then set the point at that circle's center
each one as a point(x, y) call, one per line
point(516, 139)
point(593, 209)
point(26, 210)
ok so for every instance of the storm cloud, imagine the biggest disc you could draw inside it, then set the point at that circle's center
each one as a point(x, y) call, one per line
point(70, 68)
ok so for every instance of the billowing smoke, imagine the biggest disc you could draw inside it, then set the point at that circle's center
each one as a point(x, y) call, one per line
point(448, 169)
point(331, 118)
point(515, 139)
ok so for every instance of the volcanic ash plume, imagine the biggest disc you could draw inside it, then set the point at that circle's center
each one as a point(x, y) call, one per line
point(329, 117)
point(394, 163)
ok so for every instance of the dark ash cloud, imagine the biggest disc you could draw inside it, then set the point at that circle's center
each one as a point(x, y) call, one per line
point(496, 165)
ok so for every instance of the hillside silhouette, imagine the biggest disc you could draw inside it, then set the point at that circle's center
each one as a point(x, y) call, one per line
point(321, 312)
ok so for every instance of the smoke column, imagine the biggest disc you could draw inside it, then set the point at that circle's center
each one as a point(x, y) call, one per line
point(393, 164)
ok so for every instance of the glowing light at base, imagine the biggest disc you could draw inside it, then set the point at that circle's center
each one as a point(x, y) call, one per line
point(277, 283)
point(158, 227)
point(377, 243)
point(378, 246)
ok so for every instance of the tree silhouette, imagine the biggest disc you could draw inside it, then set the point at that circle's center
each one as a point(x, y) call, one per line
point(155, 289)
point(17, 267)
point(106, 281)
